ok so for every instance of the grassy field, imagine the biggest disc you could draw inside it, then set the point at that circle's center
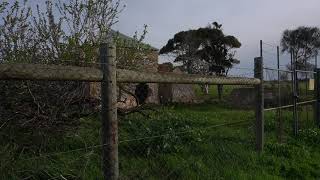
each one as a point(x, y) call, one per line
point(176, 142)
point(286, 88)
point(213, 91)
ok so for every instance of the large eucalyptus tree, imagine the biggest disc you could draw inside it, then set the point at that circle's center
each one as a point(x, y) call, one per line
point(205, 50)
point(303, 42)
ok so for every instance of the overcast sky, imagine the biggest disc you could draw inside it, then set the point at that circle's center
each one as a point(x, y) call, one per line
point(248, 20)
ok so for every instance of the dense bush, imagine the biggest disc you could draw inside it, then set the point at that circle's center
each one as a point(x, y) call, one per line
point(61, 33)
point(156, 133)
point(41, 109)
point(310, 136)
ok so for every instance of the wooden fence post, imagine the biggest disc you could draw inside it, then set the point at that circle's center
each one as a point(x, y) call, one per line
point(110, 164)
point(259, 111)
point(317, 94)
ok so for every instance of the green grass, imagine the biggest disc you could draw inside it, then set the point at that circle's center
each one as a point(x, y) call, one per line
point(177, 142)
point(213, 91)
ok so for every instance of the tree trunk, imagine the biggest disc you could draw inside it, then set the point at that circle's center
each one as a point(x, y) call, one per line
point(220, 91)
point(205, 89)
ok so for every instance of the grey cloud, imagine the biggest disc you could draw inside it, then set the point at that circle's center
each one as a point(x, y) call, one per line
point(249, 20)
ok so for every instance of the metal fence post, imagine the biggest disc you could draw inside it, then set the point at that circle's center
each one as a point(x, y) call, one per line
point(315, 77)
point(259, 111)
point(317, 93)
point(110, 164)
point(279, 98)
point(295, 95)
point(316, 60)
point(261, 48)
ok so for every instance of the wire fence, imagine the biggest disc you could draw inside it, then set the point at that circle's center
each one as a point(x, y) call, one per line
point(86, 120)
point(51, 126)
point(185, 145)
point(290, 93)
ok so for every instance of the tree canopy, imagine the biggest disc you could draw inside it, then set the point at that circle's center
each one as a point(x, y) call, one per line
point(207, 46)
point(60, 30)
point(303, 42)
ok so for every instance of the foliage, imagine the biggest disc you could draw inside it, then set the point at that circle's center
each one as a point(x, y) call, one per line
point(132, 53)
point(308, 66)
point(303, 42)
point(15, 33)
point(64, 32)
point(207, 46)
point(3, 6)
point(41, 110)
point(170, 131)
point(222, 153)
point(48, 36)
point(310, 136)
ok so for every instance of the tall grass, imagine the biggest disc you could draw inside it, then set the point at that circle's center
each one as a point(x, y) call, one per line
point(176, 142)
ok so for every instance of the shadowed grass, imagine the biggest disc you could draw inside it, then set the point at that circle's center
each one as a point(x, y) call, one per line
point(178, 142)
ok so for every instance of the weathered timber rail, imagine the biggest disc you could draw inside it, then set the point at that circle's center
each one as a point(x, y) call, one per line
point(49, 72)
point(141, 77)
point(75, 73)
point(109, 76)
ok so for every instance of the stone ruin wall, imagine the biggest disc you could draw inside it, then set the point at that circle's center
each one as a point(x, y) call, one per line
point(126, 101)
point(183, 93)
point(158, 93)
point(175, 93)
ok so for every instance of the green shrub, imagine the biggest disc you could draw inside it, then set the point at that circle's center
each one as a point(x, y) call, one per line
point(162, 132)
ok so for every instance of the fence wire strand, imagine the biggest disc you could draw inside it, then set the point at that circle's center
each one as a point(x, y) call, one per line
point(63, 116)
point(52, 130)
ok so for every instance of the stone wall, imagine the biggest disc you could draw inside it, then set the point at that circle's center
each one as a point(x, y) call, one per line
point(183, 93)
point(245, 97)
point(242, 97)
point(150, 64)
point(165, 90)
point(175, 93)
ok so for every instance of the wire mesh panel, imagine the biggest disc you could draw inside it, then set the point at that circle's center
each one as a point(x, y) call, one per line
point(289, 93)
point(189, 134)
point(306, 105)
point(278, 103)
point(278, 94)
